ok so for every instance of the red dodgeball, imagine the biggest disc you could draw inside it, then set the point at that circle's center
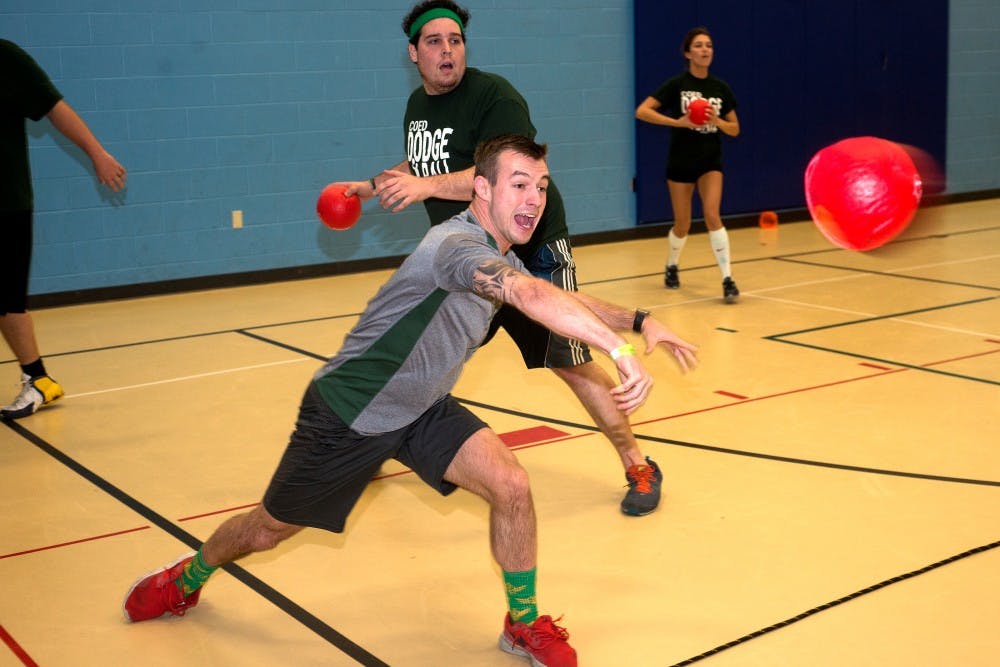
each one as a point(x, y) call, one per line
point(862, 192)
point(335, 209)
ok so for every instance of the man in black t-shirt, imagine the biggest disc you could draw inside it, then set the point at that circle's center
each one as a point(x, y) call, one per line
point(453, 110)
point(27, 92)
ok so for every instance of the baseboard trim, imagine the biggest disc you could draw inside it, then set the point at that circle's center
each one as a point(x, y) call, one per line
point(643, 231)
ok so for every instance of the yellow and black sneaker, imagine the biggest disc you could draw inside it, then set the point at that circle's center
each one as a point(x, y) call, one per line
point(35, 392)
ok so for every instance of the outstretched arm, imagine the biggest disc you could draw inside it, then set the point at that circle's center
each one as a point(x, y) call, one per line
point(560, 312)
point(68, 122)
point(653, 331)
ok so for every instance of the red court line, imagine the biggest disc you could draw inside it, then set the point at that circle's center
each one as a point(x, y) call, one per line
point(230, 509)
point(549, 442)
point(66, 544)
point(967, 356)
point(528, 435)
point(16, 648)
point(762, 398)
point(730, 394)
point(821, 386)
point(875, 366)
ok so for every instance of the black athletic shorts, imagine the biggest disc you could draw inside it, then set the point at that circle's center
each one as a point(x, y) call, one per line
point(539, 347)
point(691, 172)
point(15, 260)
point(327, 466)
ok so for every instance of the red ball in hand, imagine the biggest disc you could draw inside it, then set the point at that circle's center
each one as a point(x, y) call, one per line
point(698, 110)
point(337, 210)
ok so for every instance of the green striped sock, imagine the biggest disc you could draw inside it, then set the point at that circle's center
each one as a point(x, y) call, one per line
point(521, 599)
point(195, 574)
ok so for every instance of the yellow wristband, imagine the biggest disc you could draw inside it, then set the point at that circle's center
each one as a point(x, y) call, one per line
point(625, 350)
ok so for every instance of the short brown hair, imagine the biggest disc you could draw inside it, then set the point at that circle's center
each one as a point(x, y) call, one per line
point(488, 153)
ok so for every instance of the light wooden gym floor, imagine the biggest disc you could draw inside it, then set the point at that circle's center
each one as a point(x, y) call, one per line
point(832, 491)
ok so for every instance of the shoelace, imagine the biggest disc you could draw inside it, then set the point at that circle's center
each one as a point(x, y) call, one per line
point(642, 476)
point(544, 631)
point(179, 605)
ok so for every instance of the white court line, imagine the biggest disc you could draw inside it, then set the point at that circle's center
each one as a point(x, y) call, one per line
point(758, 294)
point(755, 293)
point(853, 276)
point(188, 377)
point(957, 261)
point(925, 325)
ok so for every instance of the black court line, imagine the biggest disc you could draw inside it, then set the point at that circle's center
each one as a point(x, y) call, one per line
point(786, 459)
point(199, 334)
point(782, 338)
point(837, 602)
point(277, 343)
point(887, 274)
point(742, 452)
point(808, 253)
point(257, 585)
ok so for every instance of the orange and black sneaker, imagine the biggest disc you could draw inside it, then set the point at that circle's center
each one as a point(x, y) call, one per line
point(643, 493)
point(543, 642)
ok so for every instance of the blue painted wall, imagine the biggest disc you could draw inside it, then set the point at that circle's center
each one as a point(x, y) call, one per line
point(254, 105)
point(974, 95)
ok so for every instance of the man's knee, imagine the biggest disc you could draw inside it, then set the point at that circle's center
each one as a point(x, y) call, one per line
point(515, 482)
point(268, 532)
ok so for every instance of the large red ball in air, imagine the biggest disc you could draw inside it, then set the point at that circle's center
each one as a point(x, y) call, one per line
point(862, 192)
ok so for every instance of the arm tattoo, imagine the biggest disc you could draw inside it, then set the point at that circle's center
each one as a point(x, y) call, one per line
point(492, 280)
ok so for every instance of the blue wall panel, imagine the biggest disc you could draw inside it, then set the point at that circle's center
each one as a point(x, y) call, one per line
point(253, 105)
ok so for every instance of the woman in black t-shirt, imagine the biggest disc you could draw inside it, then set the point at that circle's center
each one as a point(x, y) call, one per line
point(695, 158)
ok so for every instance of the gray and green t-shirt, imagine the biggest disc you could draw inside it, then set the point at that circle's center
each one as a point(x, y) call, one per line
point(408, 349)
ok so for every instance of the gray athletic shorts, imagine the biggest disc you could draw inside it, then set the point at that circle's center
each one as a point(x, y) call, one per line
point(539, 347)
point(327, 466)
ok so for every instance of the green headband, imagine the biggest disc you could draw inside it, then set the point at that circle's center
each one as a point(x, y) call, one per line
point(430, 15)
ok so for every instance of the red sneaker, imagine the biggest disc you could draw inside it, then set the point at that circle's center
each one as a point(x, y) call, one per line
point(543, 642)
point(157, 593)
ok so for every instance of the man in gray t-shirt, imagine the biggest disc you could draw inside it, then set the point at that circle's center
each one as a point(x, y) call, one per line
point(385, 395)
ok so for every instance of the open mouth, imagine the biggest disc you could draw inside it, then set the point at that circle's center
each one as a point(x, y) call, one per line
point(524, 220)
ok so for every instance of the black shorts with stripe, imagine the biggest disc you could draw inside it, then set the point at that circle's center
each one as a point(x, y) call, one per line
point(539, 347)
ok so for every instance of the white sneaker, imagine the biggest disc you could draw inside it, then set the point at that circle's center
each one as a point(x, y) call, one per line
point(34, 394)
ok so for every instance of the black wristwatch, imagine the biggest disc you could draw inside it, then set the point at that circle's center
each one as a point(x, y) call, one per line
point(640, 315)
